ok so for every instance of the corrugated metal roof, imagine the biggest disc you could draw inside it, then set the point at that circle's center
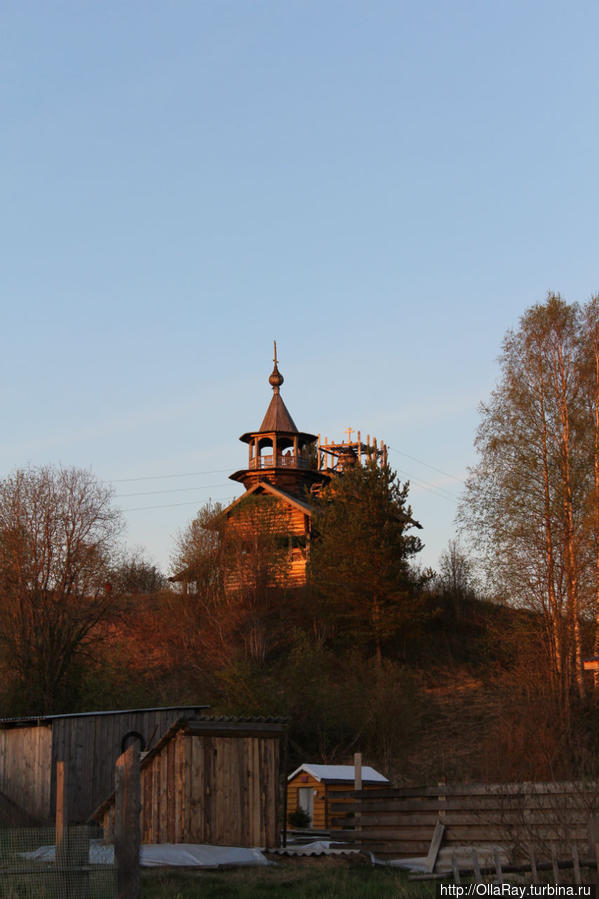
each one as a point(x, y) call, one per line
point(319, 847)
point(40, 719)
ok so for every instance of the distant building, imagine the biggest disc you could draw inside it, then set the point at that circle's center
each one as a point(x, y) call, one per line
point(281, 474)
point(285, 469)
point(312, 787)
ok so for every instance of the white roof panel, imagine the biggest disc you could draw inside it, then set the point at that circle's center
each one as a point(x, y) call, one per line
point(340, 772)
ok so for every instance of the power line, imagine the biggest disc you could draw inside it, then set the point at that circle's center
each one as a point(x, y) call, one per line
point(436, 489)
point(159, 477)
point(432, 467)
point(172, 490)
point(174, 505)
point(432, 488)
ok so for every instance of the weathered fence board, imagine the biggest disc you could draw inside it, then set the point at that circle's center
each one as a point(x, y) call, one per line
point(399, 823)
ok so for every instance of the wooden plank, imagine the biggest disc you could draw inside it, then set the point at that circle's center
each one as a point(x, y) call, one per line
point(127, 823)
point(218, 789)
point(62, 811)
point(456, 869)
point(254, 793)
point(244, 798)
point(576, 864)
point(197, 834)
point(277, 810)
point(509, 790)
point(555, 819)
point(422, 835)
point(156, 765)
point(168, 811)
point(188, 787)
point(163, 797)
point(533, 863)
point(556, 877)
point(538, 803)
point(498, 869)
point(179, 787)
point(235, 729)
point(146, 804)
point(433, 851)
point(210, 787)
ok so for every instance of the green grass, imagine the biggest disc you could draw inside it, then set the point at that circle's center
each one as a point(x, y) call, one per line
point(317, 879)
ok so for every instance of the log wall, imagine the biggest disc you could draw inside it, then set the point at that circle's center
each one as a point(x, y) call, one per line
point(277, 518)
point(400, 823)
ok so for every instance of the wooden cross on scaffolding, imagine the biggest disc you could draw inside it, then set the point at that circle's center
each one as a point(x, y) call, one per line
point(349, 432)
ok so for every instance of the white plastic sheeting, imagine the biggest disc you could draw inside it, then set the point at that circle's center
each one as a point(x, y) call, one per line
point(170, 855)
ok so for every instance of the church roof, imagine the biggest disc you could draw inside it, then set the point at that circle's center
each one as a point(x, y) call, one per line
point(265, 487)
point(277, 416)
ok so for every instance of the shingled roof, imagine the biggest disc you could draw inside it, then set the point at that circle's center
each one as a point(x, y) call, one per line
point(277, 416)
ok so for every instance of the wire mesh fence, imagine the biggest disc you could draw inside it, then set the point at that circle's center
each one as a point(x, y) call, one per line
point(33, 866)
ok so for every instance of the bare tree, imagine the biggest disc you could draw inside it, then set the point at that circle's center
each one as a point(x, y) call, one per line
point(58, 533)
point(456, 576)
point(526, 500)
point(234, 570)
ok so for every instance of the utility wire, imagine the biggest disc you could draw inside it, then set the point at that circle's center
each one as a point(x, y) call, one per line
point(432, 488)
point(436, 489)
point(432, 467)
point(159, 477)
point(174, 505)
point(172, 490)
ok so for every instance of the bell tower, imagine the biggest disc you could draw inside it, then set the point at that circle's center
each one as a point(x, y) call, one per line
point(278, 453)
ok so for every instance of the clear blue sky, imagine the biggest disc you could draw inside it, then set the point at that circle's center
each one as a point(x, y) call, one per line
point(383, 187)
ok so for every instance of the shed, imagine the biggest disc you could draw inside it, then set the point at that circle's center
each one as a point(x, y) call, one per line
point(210, 780)
point(89, 744)
point(310, 787)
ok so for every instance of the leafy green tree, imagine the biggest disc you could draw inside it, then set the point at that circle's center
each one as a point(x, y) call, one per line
point(360, 560)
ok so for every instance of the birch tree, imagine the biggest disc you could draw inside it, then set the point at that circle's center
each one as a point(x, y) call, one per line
point(525, 500)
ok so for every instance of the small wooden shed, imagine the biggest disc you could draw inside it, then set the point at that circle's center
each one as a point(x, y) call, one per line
point(89, 744)
point(210, 780)
point(310, 788)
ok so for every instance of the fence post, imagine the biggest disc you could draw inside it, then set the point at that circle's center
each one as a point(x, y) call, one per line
point(594, 840)
point(358, 788)
point(72, 849)
point(127, 828)
point(61, 807)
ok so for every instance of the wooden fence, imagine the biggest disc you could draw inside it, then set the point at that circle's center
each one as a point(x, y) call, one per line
point(399, 823)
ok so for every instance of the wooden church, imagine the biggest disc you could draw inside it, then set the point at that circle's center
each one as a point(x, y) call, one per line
point(269, 527)
point(274, 514)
